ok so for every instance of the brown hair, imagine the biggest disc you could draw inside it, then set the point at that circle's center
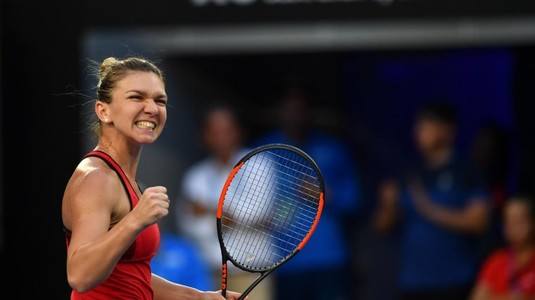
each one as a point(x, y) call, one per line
point(111, 71)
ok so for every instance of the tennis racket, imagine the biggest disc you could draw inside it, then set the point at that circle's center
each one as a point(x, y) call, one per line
point(268, 209)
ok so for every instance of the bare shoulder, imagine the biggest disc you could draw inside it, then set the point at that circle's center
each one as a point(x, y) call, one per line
point(90, 189)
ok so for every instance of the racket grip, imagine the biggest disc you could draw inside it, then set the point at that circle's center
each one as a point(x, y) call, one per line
point(224, 280)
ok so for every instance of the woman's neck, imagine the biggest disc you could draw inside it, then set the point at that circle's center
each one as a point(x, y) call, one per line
point(126, 156)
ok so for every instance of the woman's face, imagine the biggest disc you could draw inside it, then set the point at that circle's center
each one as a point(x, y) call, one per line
point(518, 224)
point(139, 106)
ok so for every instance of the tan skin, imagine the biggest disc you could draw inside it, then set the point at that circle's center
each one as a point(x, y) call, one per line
point(95, 205)
point(519, 231)
point(434, 139)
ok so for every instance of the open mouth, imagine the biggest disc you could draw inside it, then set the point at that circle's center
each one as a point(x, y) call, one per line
point(146, 125)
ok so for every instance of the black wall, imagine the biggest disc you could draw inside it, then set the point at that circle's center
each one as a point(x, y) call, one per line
point(39, 138)
point(524, 95)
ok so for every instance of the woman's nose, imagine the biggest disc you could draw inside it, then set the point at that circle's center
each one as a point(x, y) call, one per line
point(151, 107)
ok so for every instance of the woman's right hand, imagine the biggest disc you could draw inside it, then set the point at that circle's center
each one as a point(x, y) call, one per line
point(217, 296)
point(153, 206)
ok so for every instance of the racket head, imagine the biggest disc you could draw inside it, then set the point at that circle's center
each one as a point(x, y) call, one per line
point(269, 207)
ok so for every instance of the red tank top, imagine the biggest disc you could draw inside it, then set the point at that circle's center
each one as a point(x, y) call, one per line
point(131, 278)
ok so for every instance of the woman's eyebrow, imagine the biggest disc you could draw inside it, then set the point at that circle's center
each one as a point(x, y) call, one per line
point(135, 91)
point(144, 93)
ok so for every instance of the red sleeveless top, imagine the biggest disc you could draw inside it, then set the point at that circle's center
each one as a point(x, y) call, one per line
point(131, 278)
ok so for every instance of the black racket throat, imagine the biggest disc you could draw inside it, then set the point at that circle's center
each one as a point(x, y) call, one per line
point(268, 209)
point(225, 278)
point(225, 273)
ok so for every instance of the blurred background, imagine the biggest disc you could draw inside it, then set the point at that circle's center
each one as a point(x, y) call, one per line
point(365, 67)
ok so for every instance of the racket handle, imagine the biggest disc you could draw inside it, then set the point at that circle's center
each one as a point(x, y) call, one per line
point(224, 280)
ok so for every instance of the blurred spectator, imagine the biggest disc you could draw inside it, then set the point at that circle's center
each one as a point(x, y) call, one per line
point(440, 209)
point(201, 188)
point(509, 272)
point(321, 270)
point(490, 151)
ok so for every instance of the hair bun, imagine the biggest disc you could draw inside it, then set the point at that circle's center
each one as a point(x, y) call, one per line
point(106, 65)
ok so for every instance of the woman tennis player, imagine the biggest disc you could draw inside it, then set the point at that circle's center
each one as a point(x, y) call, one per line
point(111, 225)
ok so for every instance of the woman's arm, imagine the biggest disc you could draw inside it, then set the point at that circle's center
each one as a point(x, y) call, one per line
point(94, 249)
point(91, 200)
point(167, 290)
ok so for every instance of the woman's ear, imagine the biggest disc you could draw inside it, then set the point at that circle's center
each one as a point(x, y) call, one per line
point(102, 111)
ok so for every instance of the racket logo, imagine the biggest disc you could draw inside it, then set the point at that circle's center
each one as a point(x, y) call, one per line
point(249, 256)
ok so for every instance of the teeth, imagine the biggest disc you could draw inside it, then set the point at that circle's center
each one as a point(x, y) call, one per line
point(145, 125)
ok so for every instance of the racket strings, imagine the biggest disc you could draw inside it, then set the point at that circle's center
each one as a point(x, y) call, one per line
point(269, 208)
point(251, 189)
point(305, 171)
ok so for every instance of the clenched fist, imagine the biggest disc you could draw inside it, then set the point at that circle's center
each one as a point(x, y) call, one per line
point(153, 205)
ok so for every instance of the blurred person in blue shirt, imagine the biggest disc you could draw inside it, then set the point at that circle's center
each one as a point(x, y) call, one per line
point(440, 208)
point(321, 270)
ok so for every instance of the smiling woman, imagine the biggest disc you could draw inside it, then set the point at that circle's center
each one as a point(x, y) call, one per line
point(111, 225)
point(111, 74)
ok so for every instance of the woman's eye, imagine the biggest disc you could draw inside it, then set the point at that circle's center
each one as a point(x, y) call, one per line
point(136, 97)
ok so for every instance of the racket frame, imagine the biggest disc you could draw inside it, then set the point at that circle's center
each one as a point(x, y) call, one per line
point(225, 255)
